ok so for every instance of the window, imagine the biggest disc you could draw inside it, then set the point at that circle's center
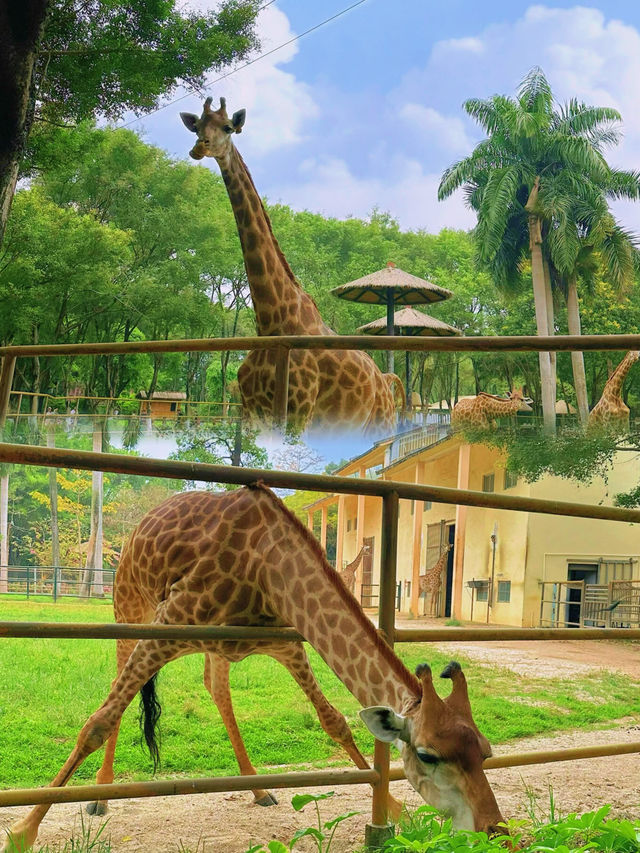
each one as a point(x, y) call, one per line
point(427, 506)
point(482, 592)
point(413, 507)
point(348, 525)
point(510, 479)
point(488, 482)
point(504, 590)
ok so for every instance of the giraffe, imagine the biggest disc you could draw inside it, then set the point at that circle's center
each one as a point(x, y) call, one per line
point(327, 388)
point(430, 581)
point(611, 413)
point(348, 574)
point(478, 412)
point(242, 558)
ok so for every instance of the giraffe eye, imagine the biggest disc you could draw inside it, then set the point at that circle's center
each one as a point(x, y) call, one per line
point(427, 757)
point(228, 128)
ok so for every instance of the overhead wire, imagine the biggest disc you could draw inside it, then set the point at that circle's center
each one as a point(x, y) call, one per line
point(251, 61)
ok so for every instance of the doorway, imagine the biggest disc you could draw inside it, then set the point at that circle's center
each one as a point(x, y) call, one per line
point(587, 572)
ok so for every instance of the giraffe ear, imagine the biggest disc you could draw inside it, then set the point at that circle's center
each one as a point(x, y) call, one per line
point(189, 120)
point(237, 120)
point(385, 724)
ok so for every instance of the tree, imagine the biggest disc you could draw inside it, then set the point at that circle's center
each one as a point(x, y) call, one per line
point(69, 61)
point(505, 178)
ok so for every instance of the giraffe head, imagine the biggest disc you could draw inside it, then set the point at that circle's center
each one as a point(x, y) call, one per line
point(214, 129)
point(525, 402)
point(443, 751)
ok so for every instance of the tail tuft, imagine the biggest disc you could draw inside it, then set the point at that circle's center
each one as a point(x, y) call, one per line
point(150, 710)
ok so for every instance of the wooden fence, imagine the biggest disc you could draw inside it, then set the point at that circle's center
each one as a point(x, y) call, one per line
point(389, 492)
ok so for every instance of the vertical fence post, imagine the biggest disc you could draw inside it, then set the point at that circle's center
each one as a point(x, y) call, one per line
point(379, 830)
point(6, 381)
point(281, 393)
point(55, 583)
point(28, 572)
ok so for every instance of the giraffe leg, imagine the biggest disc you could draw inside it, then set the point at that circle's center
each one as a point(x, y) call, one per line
point(104, 776)
point(148, 657)
point(216, 680)
point(294, 658)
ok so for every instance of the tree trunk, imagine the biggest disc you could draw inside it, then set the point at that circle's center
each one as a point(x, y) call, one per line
point(4, 531)
point(53, 501)
point(21, 27)
point(542, 316)
point(92, 576)
point(577, 358)
point(551, 327)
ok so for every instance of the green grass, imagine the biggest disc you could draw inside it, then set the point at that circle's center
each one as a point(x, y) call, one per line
point(49, 687)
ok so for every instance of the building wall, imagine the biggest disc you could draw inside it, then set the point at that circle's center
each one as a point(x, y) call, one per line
point(530, 547)
point(556, 541)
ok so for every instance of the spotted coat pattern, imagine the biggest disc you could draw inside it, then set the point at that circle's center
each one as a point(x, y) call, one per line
point(240, 558)
point(611, 412)
point(429, 583)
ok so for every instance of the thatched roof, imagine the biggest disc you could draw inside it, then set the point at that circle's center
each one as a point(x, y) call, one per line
point(408, 321)
point(164, 395)
point(407, 289)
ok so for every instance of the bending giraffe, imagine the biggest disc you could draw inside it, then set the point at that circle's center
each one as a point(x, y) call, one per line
point(429, 583)
point(342, 389)
point(242, 558)
point(478, 412)
point(348, 574)
point(611, 413)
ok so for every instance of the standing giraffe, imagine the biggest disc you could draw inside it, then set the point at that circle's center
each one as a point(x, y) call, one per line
point(348, 574)
point(611, 413)
point(431, 580)
point(478, 412)
point(343, 389)
point(242, 558)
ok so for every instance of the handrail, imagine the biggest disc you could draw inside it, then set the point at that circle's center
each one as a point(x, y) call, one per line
point(27, 454)
point(482, 343)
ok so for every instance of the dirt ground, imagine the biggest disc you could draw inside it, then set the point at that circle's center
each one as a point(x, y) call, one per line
point(230, 823)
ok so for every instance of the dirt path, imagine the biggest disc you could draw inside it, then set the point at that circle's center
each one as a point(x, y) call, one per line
point(229, 823)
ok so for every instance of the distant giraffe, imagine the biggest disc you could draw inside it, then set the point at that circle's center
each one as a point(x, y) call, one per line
point(431, 581)
point(348, 574)
point(478, 412)
point(610, 412)
point(337, 389)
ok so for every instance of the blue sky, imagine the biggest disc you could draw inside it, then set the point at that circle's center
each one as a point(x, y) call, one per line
point(366, 111)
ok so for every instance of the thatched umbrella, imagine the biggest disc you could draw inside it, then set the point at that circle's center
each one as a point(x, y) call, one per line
point(411, 323)
point(391, 286)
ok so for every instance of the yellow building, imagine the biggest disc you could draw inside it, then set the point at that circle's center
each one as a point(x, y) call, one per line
point(527, 549)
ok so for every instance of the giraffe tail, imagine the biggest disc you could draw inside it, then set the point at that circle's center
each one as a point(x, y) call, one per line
point(397, 389)
point(150, 710)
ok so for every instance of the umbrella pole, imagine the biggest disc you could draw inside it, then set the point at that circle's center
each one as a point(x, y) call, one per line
point(390, 327)
point(407, 381)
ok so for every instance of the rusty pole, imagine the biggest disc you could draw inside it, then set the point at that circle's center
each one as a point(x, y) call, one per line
point(379, 830)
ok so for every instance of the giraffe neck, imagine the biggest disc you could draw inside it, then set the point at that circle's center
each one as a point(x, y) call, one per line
point(355, 565)
point(495, 406)
point(310, 596)
point(281, 305)
point(613, 387)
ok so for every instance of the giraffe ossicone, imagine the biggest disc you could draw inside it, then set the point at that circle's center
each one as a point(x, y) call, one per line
point(242, 558)
point(328, 389)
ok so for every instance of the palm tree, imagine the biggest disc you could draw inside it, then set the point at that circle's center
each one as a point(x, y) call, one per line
point(506, 178)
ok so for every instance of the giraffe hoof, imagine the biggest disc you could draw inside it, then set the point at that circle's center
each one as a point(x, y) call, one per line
point(267, 800)
point(97, 807)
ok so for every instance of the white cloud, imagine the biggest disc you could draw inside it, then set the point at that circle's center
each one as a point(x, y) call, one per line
point(446, 132)
point(327, 185)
